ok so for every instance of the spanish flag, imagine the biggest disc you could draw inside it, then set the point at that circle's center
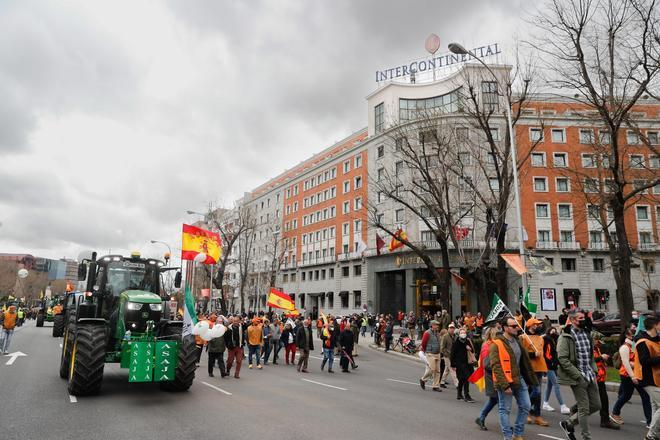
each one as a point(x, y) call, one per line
point(395, 243)
point(280, 300)
point(477, 377)
point(197, 241)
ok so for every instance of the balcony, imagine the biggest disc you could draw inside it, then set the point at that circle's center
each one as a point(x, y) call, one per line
point(647, 247)
point(569, 245)
point(546, 245)
point(597, 246)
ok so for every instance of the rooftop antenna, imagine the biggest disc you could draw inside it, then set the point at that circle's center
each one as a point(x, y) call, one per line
point(432, 44)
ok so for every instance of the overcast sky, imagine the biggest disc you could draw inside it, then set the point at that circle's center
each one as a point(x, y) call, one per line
point(117, 117)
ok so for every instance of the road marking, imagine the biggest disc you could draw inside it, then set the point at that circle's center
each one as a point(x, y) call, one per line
point(72, 399)
point(217, 389)
point(13, 356)
point(324, 384)
point(550, 436)
point(402, 381)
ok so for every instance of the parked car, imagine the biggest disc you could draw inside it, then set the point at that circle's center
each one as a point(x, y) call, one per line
point(610, 324)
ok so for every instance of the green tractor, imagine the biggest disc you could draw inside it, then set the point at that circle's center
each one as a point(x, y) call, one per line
point(48, 310)
point(120, 319)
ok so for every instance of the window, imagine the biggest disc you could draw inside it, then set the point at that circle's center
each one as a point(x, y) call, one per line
point(489, 96)
point(591, 185)
point(381, 151)
point(562, 184)
point(357, 271)
point(593, 211)
point(632, 138)
point(653, 138)
point(465, 210)
point(538, 159)
point(543, 236)
point(540, 184)
point(358, 299)
point(427, 236)
point(656, 190)
point(464, 158)
point(347, 207)
point(636, 161)
point(598, 264)
point(357, 182)
point(568, 265)
point(358, 161)
point(566, 236)
point(560, 160)
point(303, 274)
point(648, 266)
point(358, 204)
point(495, 134)
point(645, 238)
point(398, 144)
point(564, 211)
point(398, 168)
point(595, 237)
point(347, 186)
point(642, 213)
point(494, 183)
point(462, 133)
point(586, 136)
point(398, 215)
point(542, 211)
point(357, 226)
point(379, 117)
point(344, 228)
point(381, 197)
point(640, 183)
point(295, 206)
point(535, 134)
point(345, 271)
point(558, 135)
point(589, 161)
point(347, 166)
point(380, 174)
point(491, 159)
point(655, 161)
point(410, 109)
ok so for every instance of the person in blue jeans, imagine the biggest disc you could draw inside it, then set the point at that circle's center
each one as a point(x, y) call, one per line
point(550, 355)
point(267, 338)
point(488, 335)
point(329, 337)
point(512, 373)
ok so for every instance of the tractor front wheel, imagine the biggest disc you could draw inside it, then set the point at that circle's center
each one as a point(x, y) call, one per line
point(58, 326)
point(187, 362)
point(40, 320)
point(87, 359)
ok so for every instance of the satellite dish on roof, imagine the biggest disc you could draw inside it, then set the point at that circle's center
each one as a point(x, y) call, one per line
point(432, 44)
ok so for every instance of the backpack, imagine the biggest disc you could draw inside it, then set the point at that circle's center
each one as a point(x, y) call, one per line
point(616, 360)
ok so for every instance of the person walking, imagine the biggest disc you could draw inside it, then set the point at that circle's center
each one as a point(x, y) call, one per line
point(463, 361)
point(533, 343)
point(356, 336)
point(647, 369)
point(363, 325)
point(388, 334)
point(8, 326)
point(628, 383)
point(255, 342)
point(267, 346)
point(288, 338)
point(431, 349)
point(578, 370)
point(601, 375)
point(411, 325)
point(512, 371)
point(346, 345)
point(20, 315)
point(234, 343)
point(305, 343)
point(275, 334)
point(216, 350)
point(445, 320)
point(550, 355)
point(446, 344)
point(329, 339)
point(488, 336)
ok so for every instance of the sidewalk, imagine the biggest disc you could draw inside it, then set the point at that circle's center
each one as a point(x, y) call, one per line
point(610, 386)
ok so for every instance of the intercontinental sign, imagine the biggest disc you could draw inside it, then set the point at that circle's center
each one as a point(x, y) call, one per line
point(437, 62)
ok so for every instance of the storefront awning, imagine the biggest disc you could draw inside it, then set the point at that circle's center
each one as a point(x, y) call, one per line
point(515, 262)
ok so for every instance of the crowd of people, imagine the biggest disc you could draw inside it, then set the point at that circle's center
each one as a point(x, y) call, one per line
point(266, 334)
point(515, 363)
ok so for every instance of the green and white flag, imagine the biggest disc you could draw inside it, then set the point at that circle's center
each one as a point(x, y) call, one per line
point(189, 316)
point(497, 309)
point(529, 305)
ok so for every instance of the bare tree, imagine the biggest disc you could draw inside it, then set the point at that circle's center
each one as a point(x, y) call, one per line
point(607, 54)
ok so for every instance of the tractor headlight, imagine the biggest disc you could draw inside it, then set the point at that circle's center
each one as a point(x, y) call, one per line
point(156, 307)
point(134, 306)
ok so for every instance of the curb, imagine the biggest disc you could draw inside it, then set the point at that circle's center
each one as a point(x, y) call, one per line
point(609, 386)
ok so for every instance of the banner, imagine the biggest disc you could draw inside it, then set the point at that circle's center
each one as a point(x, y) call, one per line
point(549, 300)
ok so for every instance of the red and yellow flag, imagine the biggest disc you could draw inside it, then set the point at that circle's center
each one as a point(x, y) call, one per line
point(395, 243)
point(280, 300)
point(197, 241)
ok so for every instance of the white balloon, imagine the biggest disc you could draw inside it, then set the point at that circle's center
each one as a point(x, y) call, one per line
point(202, 330)
point(217, 331)
point(23, 273)
point(200, 258)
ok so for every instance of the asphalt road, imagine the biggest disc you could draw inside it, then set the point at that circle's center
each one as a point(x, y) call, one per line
point(381, 399)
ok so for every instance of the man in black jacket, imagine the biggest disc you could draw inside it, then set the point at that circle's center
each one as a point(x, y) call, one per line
point(216, 351)
point(235, 341)
point(647, 369)
point(346, 344)
point(305, 343)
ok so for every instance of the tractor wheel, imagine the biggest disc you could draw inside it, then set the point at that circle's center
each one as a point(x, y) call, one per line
point(58, 326)
point(87, 359)
point(40, 320)
point(187, 362)
point(65, 358)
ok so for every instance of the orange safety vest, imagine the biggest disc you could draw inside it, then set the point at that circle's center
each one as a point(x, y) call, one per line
point(622, 368)
point(654, 350)
point(505, 361)
point(10, 320)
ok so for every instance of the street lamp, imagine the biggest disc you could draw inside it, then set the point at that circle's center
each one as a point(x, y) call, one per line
point(460, 50)
point(169, 250)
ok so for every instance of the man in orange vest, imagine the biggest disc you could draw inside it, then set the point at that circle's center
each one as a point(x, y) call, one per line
point(533, 344)
point(512, 375)
point(647, 369)
point(8, 326)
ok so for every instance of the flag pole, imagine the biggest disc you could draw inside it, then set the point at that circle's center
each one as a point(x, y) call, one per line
point(524, 334)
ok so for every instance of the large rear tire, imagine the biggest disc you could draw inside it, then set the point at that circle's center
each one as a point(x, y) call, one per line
point(65, 357)
point(40, 320)
point(186, 364)
point(58, 325)
point(87, 359)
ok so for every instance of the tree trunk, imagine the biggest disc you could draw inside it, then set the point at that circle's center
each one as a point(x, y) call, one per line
point(217, 283)
point(624, 295)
